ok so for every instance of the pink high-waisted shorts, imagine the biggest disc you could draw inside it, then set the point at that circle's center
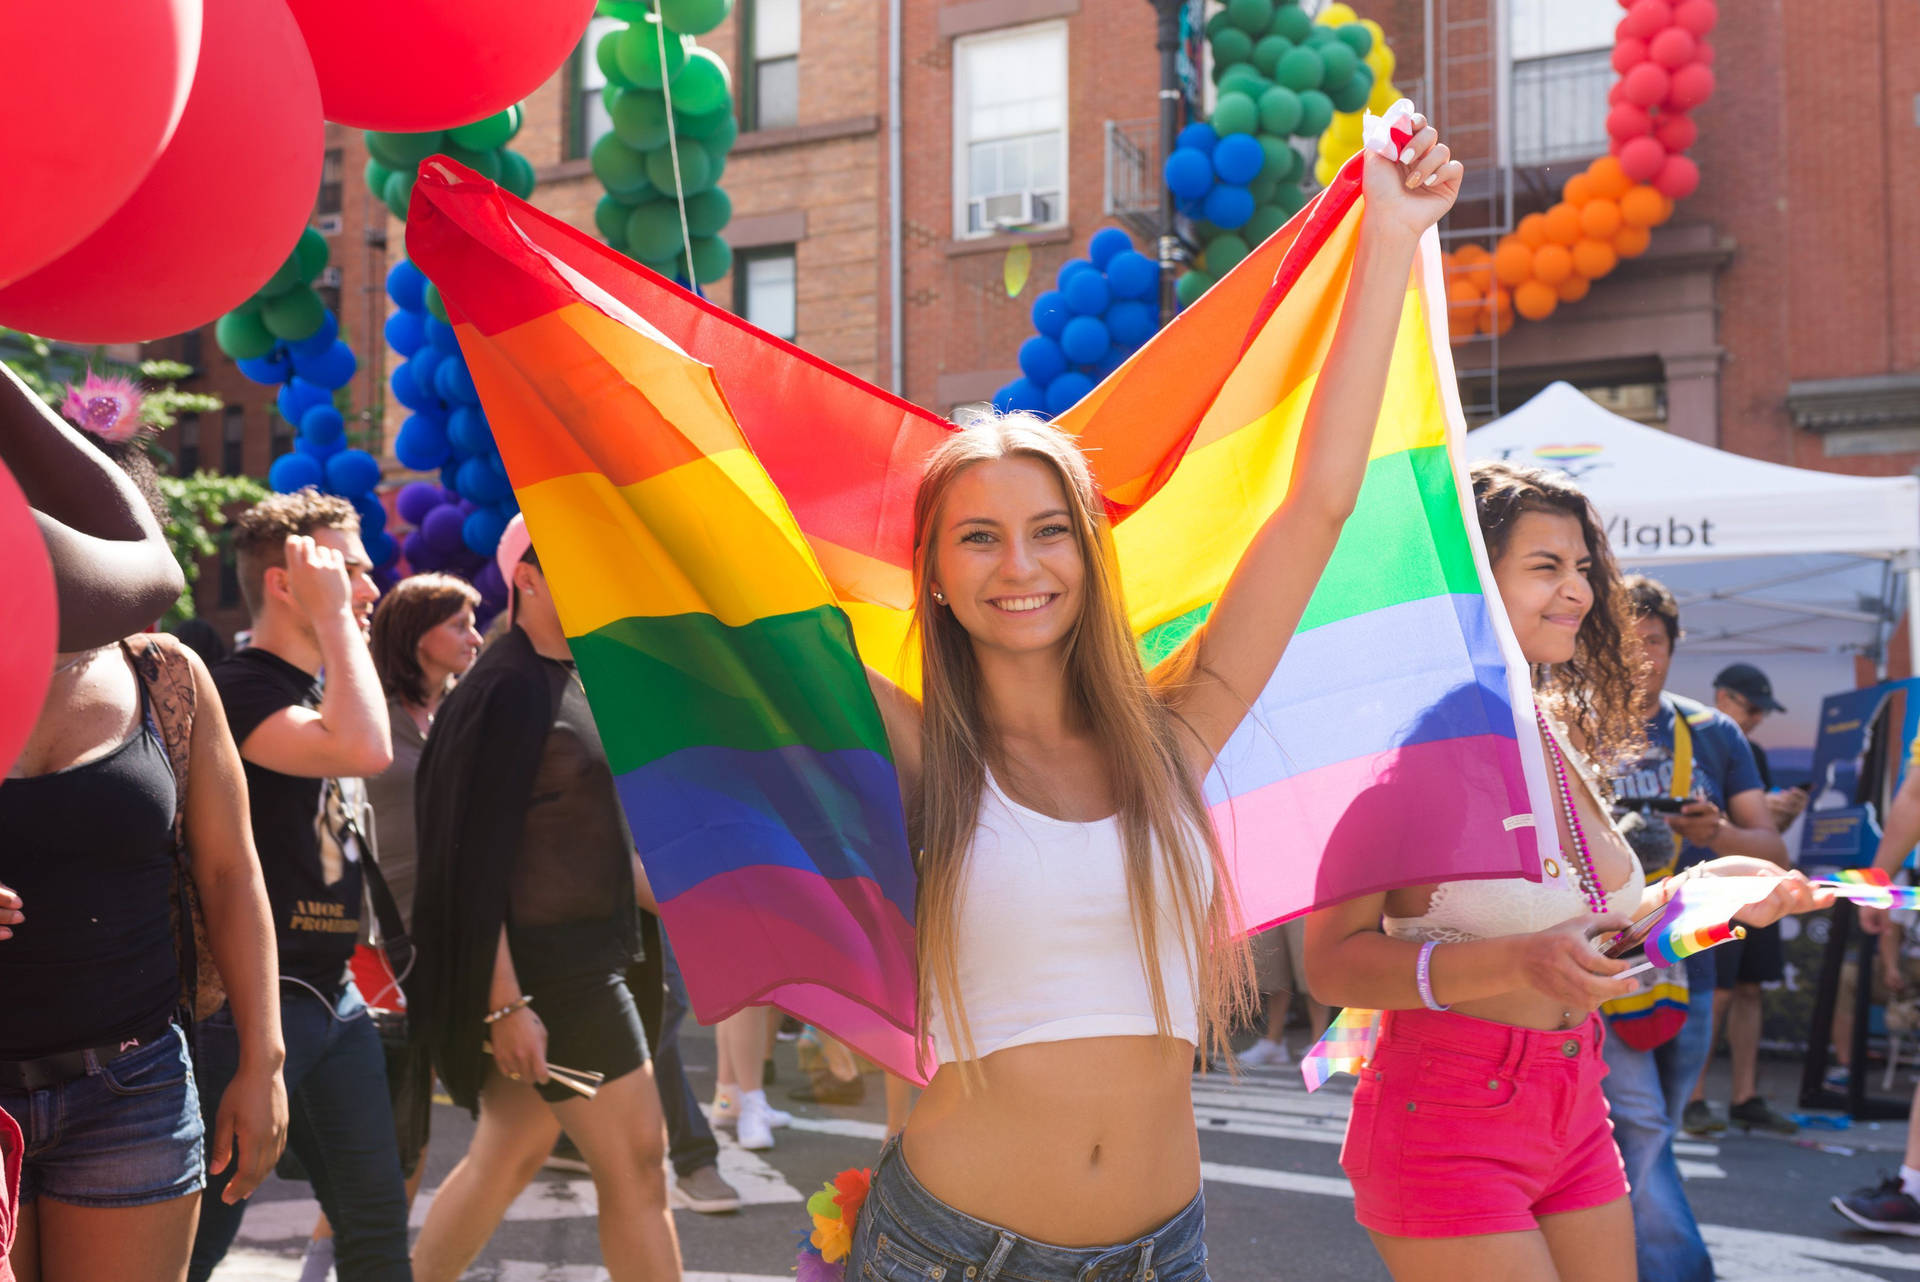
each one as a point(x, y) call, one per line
point(1462, 1126)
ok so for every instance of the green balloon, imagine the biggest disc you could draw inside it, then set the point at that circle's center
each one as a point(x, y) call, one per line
point(653, 230)
point(376, 175)
point(294, 315)
point(696, 169)
point(516, 174)
point(1264, 184)
point(1301, 70)
point(436, 305)
point(1291, 21)
point(703, 84)
point(1217, 23)
point(285, 277)
point(1320, 34)
point(399, 192)
point(618, 166)
point(1279, 110)
point(1268, 52)
point(1292, 199)
point(1243, 78)
point(1224, 252)
point(640, 118)
point(607, 55)
point(706, 125)
point(1316, 113)
point(1190, 286)
point(1284, 160)
point(610, 94)
point(1235, 113)
point(708, 212)
point(312, 253)
point(721, 141)
point(1251, 16)
point(518, 118)
point(639, 54)
point(1353, 95)
point(694, 17)
point(1355, 37)
point(484, 163)
point(638, 196)
point(1266, 220)
point(1231, 46)
point(668, 267)
point(1339, 63)
point(712, 259)
point(610, 220)
point(486, 133)
point(402, 151)
point(243, 336)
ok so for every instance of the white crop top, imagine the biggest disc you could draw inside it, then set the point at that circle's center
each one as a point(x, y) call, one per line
point(1046, 942)
point(1461, 911)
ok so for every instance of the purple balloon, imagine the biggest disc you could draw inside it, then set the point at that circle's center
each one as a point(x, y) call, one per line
point(419, 556)
point(441, 530)
point(491, 585)
point(417, 498)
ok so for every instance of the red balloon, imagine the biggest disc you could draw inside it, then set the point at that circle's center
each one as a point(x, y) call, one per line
point(1691, 86)
point(1672, 48)
point(27, 642)
point(1676, 131)
point(1628, 121)
point(1628, 53)
point(221, 208)
point(1677, 179)
point(1646, 19)
point(1696, 16)
point(1642, 158)
point(434, 64)
point(1703, 52)
point(89, 109)
point(1645, 85)
point(1616, 94)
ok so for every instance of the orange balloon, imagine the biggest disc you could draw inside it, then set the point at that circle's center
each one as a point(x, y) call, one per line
point(1534, 300)
point(1563, 223)
point(1630, 241)
point(1573, 289)
point(1471, 252)
point(1609, 180)
point(1599, 218)
point(1477, 265)
point(1496, 316)
point(1578, 191)
point(1642, 206)
point(1593, 258)
point(1532, 231)
point(1463, 305)
point(1552, 264)
point(1512, 261)
point(1666, 208)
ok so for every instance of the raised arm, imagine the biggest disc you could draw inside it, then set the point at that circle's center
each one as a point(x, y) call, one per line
point(1248, 630)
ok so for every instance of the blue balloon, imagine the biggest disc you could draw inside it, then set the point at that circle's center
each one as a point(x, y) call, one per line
point(482, 530)
point(407, 389)
point(421, 445)
point(1228, 207)
point(352, 473)
point(499, 465)
point(467, 431)
point(1198, 136)
point(272, 370)
point(449, 473)
point(406, 286)
point(299, 396)
point(1238, 158)
point(454, 384)
point(323, 425)
point(1068, 270)
point(333, 368)
point(1134, 275)
point(441, 335)
point(509, 505)
point(1087, 293)
point(320, 340)
point(1050, 314)
point(1041, 359)
point(406, 331)
point(1085, 340)
point(373, 516)
point(1065, 392)
point(295, 471)
point(481, 483)
point(1191, 208)
point(1131, 322)
point(1021, 394)
point(1113, 360)
point(381, 549)
point(319, 451)
point(1107, 242)
point(1189, 172)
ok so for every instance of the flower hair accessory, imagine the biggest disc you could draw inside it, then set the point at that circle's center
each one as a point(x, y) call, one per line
point(836, 1214)
point(107, 407)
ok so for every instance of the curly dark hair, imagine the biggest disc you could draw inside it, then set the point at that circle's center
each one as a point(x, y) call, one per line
point(260, 534)
point(1593, 694)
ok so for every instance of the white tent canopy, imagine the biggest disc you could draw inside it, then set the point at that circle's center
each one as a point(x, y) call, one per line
point(1795, 570)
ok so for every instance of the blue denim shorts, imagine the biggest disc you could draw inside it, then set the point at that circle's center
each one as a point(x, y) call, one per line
point(128, 1133)
point(906, 1234)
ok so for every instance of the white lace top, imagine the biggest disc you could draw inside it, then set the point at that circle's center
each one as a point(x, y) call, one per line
point(1461, 911)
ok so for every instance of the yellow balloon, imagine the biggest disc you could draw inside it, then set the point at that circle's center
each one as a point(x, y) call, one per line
point(1381, 59)
point(1385, 94)
point(1348, 126)
point(1323, 172)
point(1337, 15)
point(1373, 29)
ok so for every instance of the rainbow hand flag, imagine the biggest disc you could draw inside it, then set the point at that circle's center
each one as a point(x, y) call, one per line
point(748, 752)
point(1347, 1044)
point(1872, 887)
point(1700, 916)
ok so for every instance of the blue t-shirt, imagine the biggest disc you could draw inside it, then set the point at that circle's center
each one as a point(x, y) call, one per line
point(1723, 767)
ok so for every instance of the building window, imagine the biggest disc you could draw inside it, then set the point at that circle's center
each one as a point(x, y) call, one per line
point(282, 438)
point(186, 459)
point(1010, 129)
point(333, 168)
point(771, 40)
point(1562, 70)
point(233, 440)
point(763, 283)
point(589, 120)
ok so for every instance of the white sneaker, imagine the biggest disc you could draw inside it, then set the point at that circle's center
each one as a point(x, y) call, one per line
point(778, 1117)
point(755, 1128)
point(1263, 1053)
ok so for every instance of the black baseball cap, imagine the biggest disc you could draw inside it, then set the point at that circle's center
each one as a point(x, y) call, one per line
point(1750, 684)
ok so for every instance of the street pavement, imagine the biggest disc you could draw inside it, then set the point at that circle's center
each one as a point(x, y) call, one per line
point(1277, 1205)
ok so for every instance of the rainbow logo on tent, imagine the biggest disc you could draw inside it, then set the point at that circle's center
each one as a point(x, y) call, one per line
point(1566, 453)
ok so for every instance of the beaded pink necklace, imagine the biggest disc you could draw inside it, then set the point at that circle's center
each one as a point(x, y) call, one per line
point(1588, 878)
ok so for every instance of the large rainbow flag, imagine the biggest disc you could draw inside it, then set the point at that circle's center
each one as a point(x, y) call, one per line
point(1383, 754)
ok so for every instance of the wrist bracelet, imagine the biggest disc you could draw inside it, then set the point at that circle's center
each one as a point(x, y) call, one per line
point(1422, 976)
point(495, 1016)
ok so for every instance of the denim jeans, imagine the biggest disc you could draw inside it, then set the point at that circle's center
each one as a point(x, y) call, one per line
point(340, 1126)
point(690, 1141)
point(1648, 1090)
point(906, 1234)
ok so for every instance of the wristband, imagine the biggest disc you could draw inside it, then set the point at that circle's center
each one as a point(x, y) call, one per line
point(1422, 976)
point(495, 1016)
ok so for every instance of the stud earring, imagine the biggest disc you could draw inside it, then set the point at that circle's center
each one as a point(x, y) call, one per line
point(940, 596)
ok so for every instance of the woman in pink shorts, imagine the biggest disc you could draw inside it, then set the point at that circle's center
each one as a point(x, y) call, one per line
point(1479, 1143)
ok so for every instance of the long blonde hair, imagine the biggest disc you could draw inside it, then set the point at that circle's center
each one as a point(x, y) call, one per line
point(1159, 806)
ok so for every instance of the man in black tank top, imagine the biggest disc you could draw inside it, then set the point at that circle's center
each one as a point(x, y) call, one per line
point(306, 580)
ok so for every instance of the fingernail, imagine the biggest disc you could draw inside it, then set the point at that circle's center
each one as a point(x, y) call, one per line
point(1431, 180)
point(1406, 154)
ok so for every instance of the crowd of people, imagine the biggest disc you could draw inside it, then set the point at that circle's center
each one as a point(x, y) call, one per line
point(215, 871)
